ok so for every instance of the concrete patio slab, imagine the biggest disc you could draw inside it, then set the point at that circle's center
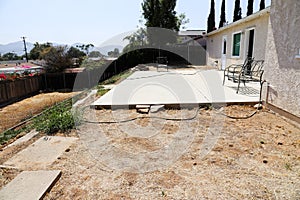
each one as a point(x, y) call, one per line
point(41, 153)
point(30, 185)
point(178, 88)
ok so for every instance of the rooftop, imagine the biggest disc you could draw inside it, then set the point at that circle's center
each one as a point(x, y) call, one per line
point(254, 16)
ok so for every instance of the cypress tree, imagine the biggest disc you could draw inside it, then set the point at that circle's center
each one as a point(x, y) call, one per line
point(152, 12)
point(168, 15)
point(262, 5)
point(223, 15)
point(250, 7)
point(237, 14)
point(211, 24)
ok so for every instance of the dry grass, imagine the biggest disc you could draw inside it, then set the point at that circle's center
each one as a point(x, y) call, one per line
point(256, 158)
point(17, 112)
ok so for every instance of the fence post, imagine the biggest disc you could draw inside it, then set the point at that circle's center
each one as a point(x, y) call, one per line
point(6, 91)
point(64, 79)
point(89, 78)
point(24, 84)
point(45, 79)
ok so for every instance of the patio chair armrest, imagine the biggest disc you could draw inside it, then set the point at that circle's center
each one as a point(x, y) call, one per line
point(233, 67)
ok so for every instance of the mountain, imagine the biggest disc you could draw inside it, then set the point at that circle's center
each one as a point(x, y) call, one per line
point(18, 48)
point(15, 47)
point(105, 49)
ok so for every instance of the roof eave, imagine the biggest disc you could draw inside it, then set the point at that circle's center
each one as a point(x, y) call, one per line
point(241, 21)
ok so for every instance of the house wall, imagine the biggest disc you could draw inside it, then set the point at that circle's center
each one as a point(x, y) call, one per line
point(214, 40)
point(282, 67)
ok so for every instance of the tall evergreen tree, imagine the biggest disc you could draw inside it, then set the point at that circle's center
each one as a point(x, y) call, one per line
point(151, 12)
point(237, 14)
point(250, 7)
point(211, 24)
point(161, 14)
point(223, 15)
point(168, 15)
point(262, 5)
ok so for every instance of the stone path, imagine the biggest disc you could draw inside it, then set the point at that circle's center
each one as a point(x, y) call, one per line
point(41, 153)
point(29, 185)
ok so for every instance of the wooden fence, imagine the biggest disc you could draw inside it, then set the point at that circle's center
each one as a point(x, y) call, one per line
point(11, 91)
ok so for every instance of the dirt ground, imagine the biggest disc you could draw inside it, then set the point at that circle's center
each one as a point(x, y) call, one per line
point(255, 158)
point(18, 112)
point(208, 156)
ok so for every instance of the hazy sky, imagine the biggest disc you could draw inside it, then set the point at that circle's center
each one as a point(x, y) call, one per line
point(91, 21)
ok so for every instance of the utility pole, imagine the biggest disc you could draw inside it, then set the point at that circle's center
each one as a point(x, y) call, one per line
point(25, 48)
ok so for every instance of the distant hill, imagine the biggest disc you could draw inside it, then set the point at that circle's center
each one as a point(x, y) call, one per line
point(105, 49)
point(15, 47)
point(18, 48)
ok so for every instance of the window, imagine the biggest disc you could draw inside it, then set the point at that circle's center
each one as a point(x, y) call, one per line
point(236, 44)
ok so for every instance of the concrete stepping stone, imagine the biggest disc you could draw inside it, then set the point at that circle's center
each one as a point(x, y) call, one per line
point(30, 185)
point(156, 108)
point(23, 139)
point(144, 109)
point(41, 153)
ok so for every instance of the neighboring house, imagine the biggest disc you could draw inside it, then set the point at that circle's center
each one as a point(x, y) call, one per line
point(271, 35)
point(234, 42)
point(192, 37)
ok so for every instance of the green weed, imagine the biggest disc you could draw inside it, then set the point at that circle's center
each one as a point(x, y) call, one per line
point(58, 118)
point(101, 90)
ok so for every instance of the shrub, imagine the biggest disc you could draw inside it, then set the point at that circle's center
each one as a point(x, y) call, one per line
point(58, 118)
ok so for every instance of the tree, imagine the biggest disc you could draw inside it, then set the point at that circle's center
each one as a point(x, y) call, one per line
point(76, 56)
point(182, 20)
point(35, 53)
point(223, 15)
point(136, 40)
point(114, 53)
point(237, 14)
point(262, 5)
point(151, 13)
point(168, 15)
point(95, 54)
point(75, 53)
point(85, 47)
point(10, 56)
point(211, 25)
point(250, 7)
point(161, 14)
point(57, 58)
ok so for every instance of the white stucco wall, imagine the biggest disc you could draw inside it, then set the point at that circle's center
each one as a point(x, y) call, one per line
point(259, 21)
point(282, 68)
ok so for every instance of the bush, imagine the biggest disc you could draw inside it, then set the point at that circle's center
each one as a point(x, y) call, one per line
point(58, 118)
point(7, 135)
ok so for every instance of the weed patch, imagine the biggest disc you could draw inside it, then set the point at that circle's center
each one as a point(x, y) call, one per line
point(58, 118)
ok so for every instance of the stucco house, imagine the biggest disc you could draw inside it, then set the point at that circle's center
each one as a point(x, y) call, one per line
point(234, 42)
point(272, 35)
point(282, 58)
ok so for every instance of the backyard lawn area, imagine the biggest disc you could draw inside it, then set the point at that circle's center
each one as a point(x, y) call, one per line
point(252, 158)
point(187, 153)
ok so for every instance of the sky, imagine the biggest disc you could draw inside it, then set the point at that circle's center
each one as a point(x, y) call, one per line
point(92, 21)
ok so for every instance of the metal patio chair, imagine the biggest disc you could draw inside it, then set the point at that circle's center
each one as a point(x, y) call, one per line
point(232, 71)
point(253, 72)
